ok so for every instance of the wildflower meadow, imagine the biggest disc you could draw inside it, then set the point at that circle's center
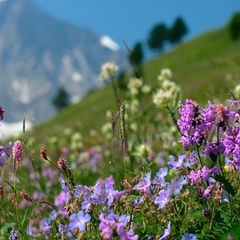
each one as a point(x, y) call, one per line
point(160, 168)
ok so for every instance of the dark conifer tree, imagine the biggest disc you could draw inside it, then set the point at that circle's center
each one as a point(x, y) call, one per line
point(61, 100)
point(157, 37)
point(178, 30)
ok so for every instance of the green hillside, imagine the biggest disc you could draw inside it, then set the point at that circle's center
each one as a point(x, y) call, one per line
point(206, 67)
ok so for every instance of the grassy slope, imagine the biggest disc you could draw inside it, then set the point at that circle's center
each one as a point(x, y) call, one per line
point(200, 66)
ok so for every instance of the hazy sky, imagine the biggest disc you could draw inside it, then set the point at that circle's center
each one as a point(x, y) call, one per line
point(131, 20)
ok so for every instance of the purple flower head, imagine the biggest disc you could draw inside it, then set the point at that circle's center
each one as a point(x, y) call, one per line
point(194, 176)
point(87, 203)
point(14, 234)
point(139, 200)
point(191, 159)
point(176, 163)
point(78, 221)
point(144, 184)
point(159, 178)
point(104, 191)
point(64, 184)
point(162, 198)
point(178, 184)
point(190, 124)
point(189, 236)
point(78, 191)
point(126, 235)
point(99, 194)
point(215, 170)
point(63, 230)
point(60, 201)
point(205, 173)
point(5, 153)
point(166, 232)
point(207, 192)
point(45, 225)
point(114, 224)
point(214, 149)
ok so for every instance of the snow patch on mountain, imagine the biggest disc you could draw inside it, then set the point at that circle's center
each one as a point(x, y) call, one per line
point(107, 42)
point(11, 129)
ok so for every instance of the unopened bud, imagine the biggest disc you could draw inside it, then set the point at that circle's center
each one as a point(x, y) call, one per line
point(62, 165)
point(43, 153)
point(1, 192)
point(25, 195)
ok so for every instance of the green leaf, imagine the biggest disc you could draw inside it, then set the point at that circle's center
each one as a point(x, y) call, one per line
point(7, 228)
point(228, 187)
point(24, 218)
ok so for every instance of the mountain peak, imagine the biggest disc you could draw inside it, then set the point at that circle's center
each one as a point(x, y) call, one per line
point(39, 54)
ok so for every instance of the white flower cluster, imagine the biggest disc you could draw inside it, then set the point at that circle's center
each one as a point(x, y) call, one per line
point(108, 70)
point(169, 92)
point(143, 150)
point(236, 91)
point(135, 86)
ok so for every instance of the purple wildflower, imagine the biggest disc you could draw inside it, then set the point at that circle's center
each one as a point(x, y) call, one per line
point(60, 201)
point(87, 203)
point(207, 192)
point(78, 191)
point(14, 234)
point(178, 184)
point(159, 178)
point(191, 159)
point(65, 233)
point(205, 173)
point(166, 232)
point(114, 224)
point(144, 184)
point(194, 176)
point(126, 235)
point(176, 163)
point(78, 221)
point(214, 149)
point(45, 225)
point(189, 236)
point(64, 184)
point(104, 191)
point(5, 153)
point(162, 198)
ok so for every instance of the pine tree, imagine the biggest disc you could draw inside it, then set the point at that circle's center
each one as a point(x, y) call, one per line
point(178, 30)
point(61, 100)
point(157, 37)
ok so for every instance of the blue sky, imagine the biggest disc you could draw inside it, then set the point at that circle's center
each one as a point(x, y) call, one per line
point(131, 20)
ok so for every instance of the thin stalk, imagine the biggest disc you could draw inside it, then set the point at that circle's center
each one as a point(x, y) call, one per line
point(199, 156)
point(173, 117)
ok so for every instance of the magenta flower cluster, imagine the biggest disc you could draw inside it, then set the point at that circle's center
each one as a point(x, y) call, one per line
point(215, 128)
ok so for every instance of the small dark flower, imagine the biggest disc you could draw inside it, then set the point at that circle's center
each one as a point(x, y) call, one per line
point(62, 165)
point(25, 195)
point(1, 192)
point(206, 212)
point(1, 113)
point(43, 153)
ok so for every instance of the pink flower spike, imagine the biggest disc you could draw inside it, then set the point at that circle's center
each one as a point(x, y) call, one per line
point(17, 151)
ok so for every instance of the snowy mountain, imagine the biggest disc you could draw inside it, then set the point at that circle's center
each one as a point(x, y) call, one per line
point(39, 54)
